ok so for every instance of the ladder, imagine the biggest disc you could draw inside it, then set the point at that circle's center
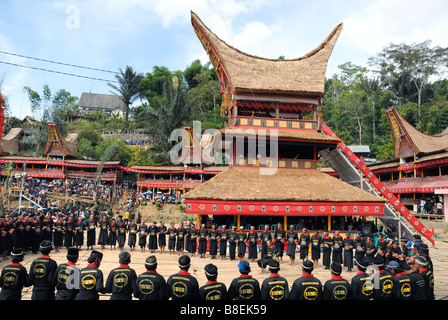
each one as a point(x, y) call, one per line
point(349, 168)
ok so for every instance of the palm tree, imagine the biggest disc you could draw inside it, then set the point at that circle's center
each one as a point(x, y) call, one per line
point(127, 88)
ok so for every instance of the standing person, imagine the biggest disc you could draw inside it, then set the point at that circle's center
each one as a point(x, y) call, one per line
point(337, 288)
point(385, 288)
point(223, 235)
point(326, 249)
point(65, 290)
point(47, 228)
point(244, 287)
point(279, 238)
point(181, 232)
point(182, 285)
point(102, 237)
point(212, 290)
point(122, 230)
point(132, 239)
point(403, 289)
point(305, 242)
point(275, 287)
point(213, 236)
point(202, 245)
point(370, 250)
point(265, 237)
point(293, 240)
point(42, 274)
point(69, 227)
point(36, 234)
point(422, 267)
point(307, 287)
point(150, 284)
point(233, 240)
point(337, 244)
point(91, 280)
point(91, 232)
point(58, 237)
point(252, 238)
point(316, 241)
point(14, 277)
point(112, 236)
point(79, 233)
point(418, 283)
point(360, 245)
point(152, 241)
point(122, 281)
point(142, 234)
point(161, 233)
point(348, 252)
point(362, 284)
point(171, 238)
point(242, 238)
point(193, 235)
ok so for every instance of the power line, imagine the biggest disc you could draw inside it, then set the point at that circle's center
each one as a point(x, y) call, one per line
point(59, 72)
point(56, 62)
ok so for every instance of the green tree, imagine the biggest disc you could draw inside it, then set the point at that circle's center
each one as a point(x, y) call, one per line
point(127, 88)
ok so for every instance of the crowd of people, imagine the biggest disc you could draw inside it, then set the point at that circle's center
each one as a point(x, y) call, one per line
point(39, 231)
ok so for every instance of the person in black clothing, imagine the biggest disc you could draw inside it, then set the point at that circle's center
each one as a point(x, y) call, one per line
point(252, 238)
point(307, 287)
point(212, 290)
point(337, 288)
point(14, 277)
point(305, 242)
point(91, 280)
point(121, 281)
point(213, 236)
point(293, 240)
point(181, 232)
point(223, 237)
point(150, 285)
point(348, 252)
point(265, 236)
point(326, 250)
point(275, 287)
point(202, 244)
point(362, 284)
point(316, 241)
point(384, 288)
point(66, 290)
point(182, 285)
point(244, 287)
point(171, 238)
point(233, 237)
point(417, 282)
point(42, 274)
point(403, 289)
point(270, 254)
point(337, 248)
point(422, 267)
point(279, 240)
point(36, 234)
point(242, 238)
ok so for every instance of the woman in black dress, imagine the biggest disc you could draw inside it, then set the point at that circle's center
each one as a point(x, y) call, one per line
point(79, 233)
point(142, 235)
point(102, 237)
point(112, 237)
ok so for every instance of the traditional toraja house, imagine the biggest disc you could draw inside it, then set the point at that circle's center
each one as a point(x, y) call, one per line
point(59, 147)
point(278, 101)
point(9, 144)
point(420, 166)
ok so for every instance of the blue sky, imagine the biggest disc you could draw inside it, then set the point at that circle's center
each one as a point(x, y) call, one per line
point(110, 34)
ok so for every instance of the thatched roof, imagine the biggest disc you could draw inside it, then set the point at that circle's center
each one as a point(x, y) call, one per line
point(284, 185)
point(57, 145)
point(408, 141)
point(249, 73)
point(307, 135)
point(10, 142)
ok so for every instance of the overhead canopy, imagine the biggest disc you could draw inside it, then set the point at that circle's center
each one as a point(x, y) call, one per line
point(249, 73)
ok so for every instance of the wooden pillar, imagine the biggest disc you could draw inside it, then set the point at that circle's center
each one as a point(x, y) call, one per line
point(285, 221)
point(329, 223)
point(238, 221)
point(198, 221)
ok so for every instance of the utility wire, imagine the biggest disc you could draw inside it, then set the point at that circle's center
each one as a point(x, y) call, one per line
point(53, 71)
point(56, 62)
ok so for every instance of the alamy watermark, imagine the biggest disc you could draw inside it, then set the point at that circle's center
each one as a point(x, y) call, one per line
point(72, 22)
point(256, 147)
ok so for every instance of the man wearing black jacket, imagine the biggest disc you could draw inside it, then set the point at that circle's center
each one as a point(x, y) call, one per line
point(275, 287)
point(244, 287)
point(182, 285)
point(42, 274)
point(13, 278)
point(65, 272)
point(121, 281)
point(150, 284)
point(91, 280)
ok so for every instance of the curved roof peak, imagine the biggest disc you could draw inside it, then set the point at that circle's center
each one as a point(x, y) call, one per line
point(249, 73)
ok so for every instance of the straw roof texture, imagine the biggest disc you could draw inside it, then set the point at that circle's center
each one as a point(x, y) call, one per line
point(421, 143)
point(10, 142)
point(69, 145)
point(284, 185)
point(249, 73)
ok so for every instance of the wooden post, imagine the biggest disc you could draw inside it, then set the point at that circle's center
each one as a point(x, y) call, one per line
point(285, 222)
point(329, 223)
point(238, 221)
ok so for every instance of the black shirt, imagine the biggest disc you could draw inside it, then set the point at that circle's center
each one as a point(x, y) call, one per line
point(151, 286)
